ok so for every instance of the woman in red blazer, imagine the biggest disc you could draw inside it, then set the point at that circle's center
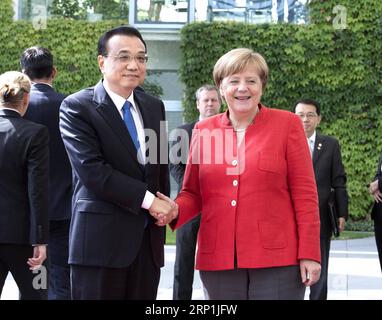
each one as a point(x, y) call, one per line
point(250, 175)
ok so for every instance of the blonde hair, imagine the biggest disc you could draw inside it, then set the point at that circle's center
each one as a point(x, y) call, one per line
point(236, 61)
point(13, 85)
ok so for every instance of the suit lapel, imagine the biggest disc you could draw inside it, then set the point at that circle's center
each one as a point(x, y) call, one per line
point(147, 114)
point(319, 147)
point(7, 113)
point(109, 113)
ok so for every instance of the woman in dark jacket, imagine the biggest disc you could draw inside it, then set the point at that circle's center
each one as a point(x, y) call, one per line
point(24, 169)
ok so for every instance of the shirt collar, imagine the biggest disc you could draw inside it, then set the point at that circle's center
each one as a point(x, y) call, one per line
point(312, 138)
point(47, 84)
point(117, 99)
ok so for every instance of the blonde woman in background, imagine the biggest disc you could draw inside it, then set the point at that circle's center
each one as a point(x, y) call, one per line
point(24, 169)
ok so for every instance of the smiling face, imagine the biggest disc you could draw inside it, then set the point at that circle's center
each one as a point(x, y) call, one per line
point(242, 91)
point(122, 76)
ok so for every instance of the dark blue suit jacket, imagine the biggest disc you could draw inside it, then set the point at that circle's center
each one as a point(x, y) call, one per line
point(330, 174)
point(43, 108)
point(24, 165)
point(376, 212)
point(109, 182)
point(184, 137)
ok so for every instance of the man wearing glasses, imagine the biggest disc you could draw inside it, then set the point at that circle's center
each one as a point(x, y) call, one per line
point(330, 175)
point(116, 249)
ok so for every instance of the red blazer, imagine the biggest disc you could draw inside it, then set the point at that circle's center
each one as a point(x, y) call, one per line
point(260, 200)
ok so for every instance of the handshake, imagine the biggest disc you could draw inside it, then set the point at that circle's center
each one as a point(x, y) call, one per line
point(163, 209)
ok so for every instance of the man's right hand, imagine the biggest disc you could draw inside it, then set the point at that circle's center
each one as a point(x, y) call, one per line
point(160, 207)
point(165, 219)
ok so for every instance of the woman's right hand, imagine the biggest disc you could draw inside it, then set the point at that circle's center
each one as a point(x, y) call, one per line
point(310, 271)
point(162, 219)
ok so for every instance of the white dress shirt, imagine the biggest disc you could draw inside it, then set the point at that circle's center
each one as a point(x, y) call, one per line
point(311, 142)
point(119, 102)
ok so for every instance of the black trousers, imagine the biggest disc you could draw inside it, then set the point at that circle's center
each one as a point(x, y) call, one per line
point(58, 267)
point(378, 236)
point(278, 283)
point(319, 291)
point(13, 258)
point(139, 281)
point(186, 238)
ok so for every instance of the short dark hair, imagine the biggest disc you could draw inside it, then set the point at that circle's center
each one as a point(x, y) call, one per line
point(37, 62)
point(123, 30)
point(308, 101)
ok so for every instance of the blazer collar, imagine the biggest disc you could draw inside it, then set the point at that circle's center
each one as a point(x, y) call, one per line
point(319, 147)
point(226, 123)
point(40, 86)
point(7, 113)
point(110, 114)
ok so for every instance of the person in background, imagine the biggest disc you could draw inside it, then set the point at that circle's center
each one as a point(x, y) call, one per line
point(330, 175)
point(375, 189)
point(24, 170)
point(43, 108)
point(155, 9)
point(208, 103)
point(250, 175)
point(116, 249)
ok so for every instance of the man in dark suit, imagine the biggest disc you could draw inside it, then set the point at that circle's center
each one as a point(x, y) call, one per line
point(116, 249)
point(208, 103)
point(24, 167)
point(43, 108)
point(330, 174)
point(375, 189)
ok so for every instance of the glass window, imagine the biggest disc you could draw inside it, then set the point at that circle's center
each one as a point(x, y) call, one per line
point(254, 11)
point(91, 10)
point(162, 11)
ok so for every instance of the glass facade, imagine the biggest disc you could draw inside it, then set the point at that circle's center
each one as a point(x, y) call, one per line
point(91, 10)
point(260, 11)
point(161, 11)
point(173, 13)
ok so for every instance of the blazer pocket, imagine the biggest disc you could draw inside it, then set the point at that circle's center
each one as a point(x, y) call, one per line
point(94, 206)
point(207, 237)
point(272, 235)
point(270, 162)
point(100, 221)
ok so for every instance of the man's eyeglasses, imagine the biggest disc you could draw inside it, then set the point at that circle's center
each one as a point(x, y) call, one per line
point(126, 58)
point(309, 115)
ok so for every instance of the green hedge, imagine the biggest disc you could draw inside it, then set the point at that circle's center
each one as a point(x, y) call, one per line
point(342, 69)
point(6, 11)
point(72, 42)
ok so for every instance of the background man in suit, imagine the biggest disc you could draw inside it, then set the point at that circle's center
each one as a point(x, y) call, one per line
point(43, 108)
point(24, 167)
point(115, 249)
point(208, 103)
point(330, 174)
point(375, 189)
